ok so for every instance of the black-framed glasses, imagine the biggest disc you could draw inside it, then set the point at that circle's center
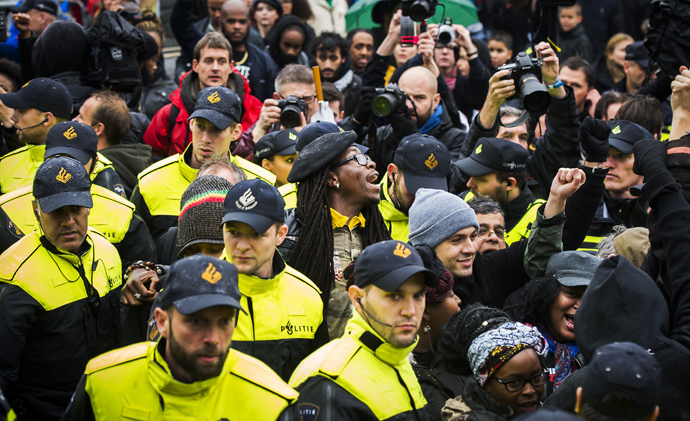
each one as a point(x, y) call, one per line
point(361, 158)
point(516, 385)
point(308, 99)
point(485, 233)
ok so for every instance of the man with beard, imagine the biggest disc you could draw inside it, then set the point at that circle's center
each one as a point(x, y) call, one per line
point(420, 161)
point(361, 48)
point(330, 54)
point(191, 372)
point(254, 64)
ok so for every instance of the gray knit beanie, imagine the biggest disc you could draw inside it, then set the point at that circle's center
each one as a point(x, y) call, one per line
point(201, 212)
point(435, 215)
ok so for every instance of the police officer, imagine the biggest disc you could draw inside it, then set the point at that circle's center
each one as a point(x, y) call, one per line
point(285, 320)
point(59, 301)
point(38, 106)
point(497, 169)
point(365, 375)
point(190, 372)
point(111, 215)
point(276, 153)
point(214, 124)
point(420, 161)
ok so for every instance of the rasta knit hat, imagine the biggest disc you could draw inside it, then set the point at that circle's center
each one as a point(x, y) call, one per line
point(201, 212)
point(436, 215)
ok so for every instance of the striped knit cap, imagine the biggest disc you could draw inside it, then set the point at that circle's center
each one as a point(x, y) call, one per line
point(201, 212)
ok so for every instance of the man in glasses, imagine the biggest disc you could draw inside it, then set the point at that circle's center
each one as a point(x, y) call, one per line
point(59, 295)
point(492, 230)
point(214, 124)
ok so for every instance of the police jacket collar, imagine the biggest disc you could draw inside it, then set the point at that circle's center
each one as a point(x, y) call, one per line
point(388, 209)
point(361, 331)
point(183, 161)
point(73, 258)
point(517, 207)
point(162, 380)
point(251, 285)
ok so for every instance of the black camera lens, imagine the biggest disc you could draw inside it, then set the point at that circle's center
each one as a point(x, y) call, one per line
point(384, 104)
point(535, 97)
point(420, 10)
point(290, 116)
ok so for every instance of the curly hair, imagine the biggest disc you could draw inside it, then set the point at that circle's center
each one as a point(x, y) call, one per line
point(462, 328)
point(536, 300)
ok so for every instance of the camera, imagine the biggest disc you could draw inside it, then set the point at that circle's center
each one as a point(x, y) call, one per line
point(419, 10)
point(446, 32)
point(526, 72)
point(290, 109)
point(389, 100)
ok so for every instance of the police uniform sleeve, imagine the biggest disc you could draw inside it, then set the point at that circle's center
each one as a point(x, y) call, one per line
point(18, 313)
point(321, 399)
point(79, 408)
point(9, 232)
point(137, 243)
point(109, 179)
point(141, 208)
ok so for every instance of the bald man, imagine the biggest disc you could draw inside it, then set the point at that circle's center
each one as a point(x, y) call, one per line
point(254, 64)
point(427, 116)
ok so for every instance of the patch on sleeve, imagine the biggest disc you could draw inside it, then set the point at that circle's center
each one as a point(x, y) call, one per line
point(119, 189)
point(152, 333)
point(14, 230)
point(308, 411)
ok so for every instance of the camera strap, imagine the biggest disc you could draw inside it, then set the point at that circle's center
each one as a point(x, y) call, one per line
point(519, 121)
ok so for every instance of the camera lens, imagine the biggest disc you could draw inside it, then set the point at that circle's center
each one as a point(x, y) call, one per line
point(420, 10)
point(535, 97)
point(384, 104)
point(290, 116)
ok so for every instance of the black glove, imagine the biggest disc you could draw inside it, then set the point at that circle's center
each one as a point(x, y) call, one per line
point(362, 114)
point(650, 158)
point(402, 125)
point(594, 138)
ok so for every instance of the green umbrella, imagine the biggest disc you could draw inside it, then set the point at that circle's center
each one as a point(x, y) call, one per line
point(462, 12)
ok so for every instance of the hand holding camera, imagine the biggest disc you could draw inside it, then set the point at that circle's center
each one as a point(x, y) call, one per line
point(291, 110)
point(527, 74)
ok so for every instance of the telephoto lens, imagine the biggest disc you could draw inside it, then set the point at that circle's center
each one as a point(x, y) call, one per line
point(388, 100)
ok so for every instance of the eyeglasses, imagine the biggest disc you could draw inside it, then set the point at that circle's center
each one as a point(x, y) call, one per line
point(360, 158)
point(516, 385)
point(486, 233)
point(308, 99)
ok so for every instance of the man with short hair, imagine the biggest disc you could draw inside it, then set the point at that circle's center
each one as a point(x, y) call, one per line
point(31, 19)
point(577, 73)
point(330, 55)
point(214, 124)
point(390, 281)
point(420, 161)
point(491, 233)
point(190, 372)
point(361, 47)
point(112, 215)
point(635, 68)
point(59, 296)
point(168, 132)
point(273, 332)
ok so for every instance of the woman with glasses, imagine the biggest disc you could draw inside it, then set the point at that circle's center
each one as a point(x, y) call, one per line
point(503, 358)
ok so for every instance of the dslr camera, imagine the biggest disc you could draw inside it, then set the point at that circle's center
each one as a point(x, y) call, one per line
point(526, 72)
point(446, 32)
point(290, 109)
point(419, 10)
point(389, 100)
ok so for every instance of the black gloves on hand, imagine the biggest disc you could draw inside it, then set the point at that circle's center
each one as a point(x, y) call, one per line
point(402, 125)
point(650, 158)
point(362, 114)
point(594, 138)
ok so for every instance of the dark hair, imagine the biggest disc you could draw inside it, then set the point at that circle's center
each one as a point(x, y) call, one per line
point(502, 36)
point(112, 111)
point(578, 63)
point(13, 72)
point(645, 111)
point(614, 398)
point(484, 205)
point(462, 328)
point(606, 100)
point(519, 177)
point(331, 93)
point(302, 10)
point(330, 41)
point(535, 302)
point(62, 47)
point(351, 35)
point(212, 40)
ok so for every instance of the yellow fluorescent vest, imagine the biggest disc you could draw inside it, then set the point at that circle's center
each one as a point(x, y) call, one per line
point(110, 215)
point(398, 223)
point(373, 377)
point(162, 184)
point(135, 383)
point(289, 193)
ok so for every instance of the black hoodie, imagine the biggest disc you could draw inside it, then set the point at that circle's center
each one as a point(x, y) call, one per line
point(273, 47)
point(622, 303)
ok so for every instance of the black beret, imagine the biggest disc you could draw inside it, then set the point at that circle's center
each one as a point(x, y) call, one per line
point(319, 154)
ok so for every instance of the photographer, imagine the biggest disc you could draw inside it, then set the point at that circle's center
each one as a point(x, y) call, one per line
point(558, 147)
point(424, 111)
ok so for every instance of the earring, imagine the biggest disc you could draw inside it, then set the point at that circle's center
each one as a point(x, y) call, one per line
point(337, 186)
point(427, 329)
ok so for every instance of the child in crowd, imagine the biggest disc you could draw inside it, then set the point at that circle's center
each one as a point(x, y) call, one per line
point(571, 36)
point(500, 48)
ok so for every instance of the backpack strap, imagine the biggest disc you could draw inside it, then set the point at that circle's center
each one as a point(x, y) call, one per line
point(174, 112)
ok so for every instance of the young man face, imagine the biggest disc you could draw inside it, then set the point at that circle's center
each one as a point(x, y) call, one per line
point(424, 98)
point(620, 177)
point(329, 63)
point(395, 315)
point(577, 80)
point(517, 134)
point(397, 190)
point(361, 51)
point(208, 141)
point(197, 344)
point(236, 26)
point(251, 252)
point(31, 125)
point(64, 227)
point(214, 67)
point(489, 185)
point(457, 252)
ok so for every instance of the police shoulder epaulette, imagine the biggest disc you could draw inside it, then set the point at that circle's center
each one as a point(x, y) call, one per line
point(286, 189)
point(110, 195)
point(339, 356)
point(16, 255)
point(102, 158)
point(158, 165)
point(15, 194)
point(302, 277)
point(14, 152)
point(255, 371)
point(253, 169)
point(119, 356)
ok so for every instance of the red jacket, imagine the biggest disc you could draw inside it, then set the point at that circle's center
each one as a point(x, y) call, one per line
point(184, 99)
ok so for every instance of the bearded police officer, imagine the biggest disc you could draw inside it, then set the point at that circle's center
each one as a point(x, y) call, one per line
point(59, 296)
point(190, 372)
point(365, 375)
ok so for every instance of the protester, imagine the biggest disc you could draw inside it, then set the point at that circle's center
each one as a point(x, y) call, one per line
point(492, 230)
point(608, 68)
point(635, 68)
point(572, 38)
point(191, 370)
point(330, 55)
point(288, 42)
point(577, 73)
point(58, 296)
point(390, 281)
point(361, 47)
point(265, 14)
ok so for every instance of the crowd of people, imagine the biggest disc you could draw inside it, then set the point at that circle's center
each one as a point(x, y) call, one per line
point(304, 223)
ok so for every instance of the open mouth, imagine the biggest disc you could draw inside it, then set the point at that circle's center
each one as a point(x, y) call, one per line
point(570, 322)
point(529, 406)
point(372, 178)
